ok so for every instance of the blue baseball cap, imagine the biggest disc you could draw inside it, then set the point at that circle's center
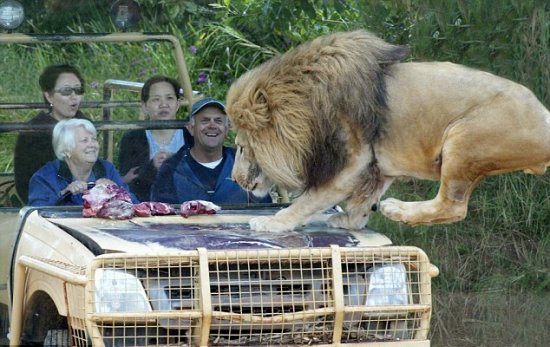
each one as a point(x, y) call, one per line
point(202, 103)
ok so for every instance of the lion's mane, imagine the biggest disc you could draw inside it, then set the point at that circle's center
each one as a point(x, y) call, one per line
point(297, 111)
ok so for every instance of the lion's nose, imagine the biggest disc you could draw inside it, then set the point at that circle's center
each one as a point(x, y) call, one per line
point(374, 207)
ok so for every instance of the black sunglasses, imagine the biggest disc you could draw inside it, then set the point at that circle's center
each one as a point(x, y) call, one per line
point(66, 91)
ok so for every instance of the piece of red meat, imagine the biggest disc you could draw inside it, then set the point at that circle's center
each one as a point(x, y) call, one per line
point(94, 199)
point(194, 207)
point(116, 209)
point(107, 201)
point(143, 209)
point(121, 193)
point(162, 209)
point(113, 202)
point(150, 208)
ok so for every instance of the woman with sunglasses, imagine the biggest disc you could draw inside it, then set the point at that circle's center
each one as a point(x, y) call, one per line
point(62, 88)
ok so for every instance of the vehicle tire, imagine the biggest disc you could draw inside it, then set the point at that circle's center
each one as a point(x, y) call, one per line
point(43, 326)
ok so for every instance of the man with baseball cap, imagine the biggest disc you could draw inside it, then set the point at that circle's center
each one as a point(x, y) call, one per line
point(202, 172)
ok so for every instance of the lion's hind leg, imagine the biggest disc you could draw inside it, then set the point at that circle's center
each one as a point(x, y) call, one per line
point(462, 167)
point(537, 170)
point(450, 204)
point(474, 148)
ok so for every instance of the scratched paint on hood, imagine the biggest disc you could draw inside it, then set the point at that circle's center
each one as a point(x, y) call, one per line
point(227, 236)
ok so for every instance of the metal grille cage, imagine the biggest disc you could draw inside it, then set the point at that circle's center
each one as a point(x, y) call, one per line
point(310, 296)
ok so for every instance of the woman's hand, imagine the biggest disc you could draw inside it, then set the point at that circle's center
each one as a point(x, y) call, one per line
point(159, 158)
point(75, 187)
point(131, 174)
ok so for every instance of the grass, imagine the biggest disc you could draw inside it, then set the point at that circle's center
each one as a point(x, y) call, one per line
point(505, 231)
point(490, 318)
point(494, 282)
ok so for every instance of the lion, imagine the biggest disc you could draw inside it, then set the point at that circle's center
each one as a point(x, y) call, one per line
point(340, 117)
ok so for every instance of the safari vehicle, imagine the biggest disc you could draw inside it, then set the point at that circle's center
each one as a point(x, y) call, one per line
point(66, 280)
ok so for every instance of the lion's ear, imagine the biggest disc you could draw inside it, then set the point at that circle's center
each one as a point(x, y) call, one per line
point(254, 117)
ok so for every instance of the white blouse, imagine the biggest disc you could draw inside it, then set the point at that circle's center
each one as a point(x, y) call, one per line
point(172, 147)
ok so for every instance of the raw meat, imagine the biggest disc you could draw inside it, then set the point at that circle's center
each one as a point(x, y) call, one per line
point(113, 202)
point(107, 201)
point(150, 208)
point(194, 207)
point(116, 209)
point(142, 209)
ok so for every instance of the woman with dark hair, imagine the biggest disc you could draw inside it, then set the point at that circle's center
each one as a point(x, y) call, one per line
point(62, 88)
point(142, 152)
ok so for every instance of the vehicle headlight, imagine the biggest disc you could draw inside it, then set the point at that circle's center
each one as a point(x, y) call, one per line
point(387, 285)
point(119, 291)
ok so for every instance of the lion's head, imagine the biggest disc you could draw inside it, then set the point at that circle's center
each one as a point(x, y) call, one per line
point(246, 170)
point(300, 115)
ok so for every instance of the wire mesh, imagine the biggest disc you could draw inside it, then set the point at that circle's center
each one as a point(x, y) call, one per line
point(315, 296)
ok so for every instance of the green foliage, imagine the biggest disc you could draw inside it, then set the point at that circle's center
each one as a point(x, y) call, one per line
point(58, 16)
point(510, 214)
point(511, 39)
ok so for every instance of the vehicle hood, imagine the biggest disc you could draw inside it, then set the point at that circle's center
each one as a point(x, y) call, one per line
point(220, 231)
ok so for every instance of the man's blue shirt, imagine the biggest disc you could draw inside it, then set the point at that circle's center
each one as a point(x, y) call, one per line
point(176, 182)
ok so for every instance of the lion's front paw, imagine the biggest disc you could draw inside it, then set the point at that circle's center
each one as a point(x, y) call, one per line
point(270, 223)
point(339, 220)
point(345, 220)
point(392, 209)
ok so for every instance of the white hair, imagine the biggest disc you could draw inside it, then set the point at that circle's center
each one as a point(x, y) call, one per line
point(63, 135)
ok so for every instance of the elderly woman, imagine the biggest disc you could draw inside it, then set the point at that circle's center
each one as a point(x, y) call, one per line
point(77, 168)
